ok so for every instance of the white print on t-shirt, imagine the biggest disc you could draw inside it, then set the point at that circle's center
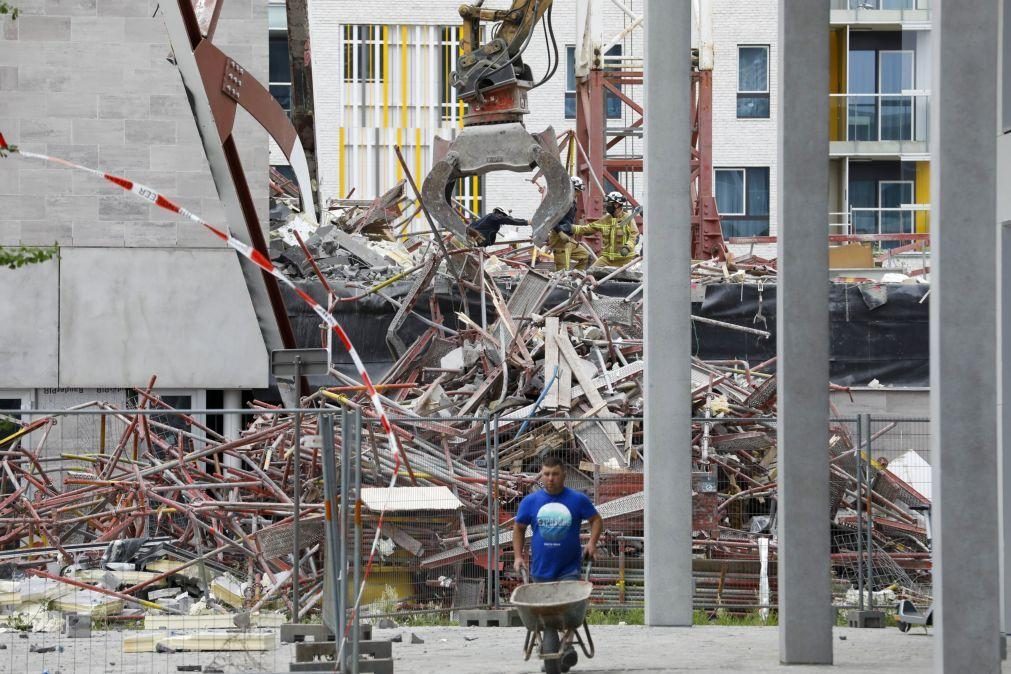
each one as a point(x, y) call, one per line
point(553, 521)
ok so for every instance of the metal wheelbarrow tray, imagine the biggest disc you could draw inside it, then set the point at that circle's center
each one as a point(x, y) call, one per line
point(559, 606)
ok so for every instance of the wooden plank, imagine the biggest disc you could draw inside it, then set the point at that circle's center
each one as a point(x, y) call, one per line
point(564, 372)
point(481, 392)
point(216, 640)
point(633, 369)
point(551, 362)
point(567, 351)
point(209, 622)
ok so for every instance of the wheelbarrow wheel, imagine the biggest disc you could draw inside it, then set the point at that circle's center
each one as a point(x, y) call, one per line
point(549, 646)
point(904, 626)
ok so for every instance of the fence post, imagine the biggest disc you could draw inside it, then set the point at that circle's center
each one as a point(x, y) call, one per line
point(868, 432)
point(357, 462)
point(296, 465)
point(330, 512)
point(497, 559)
point(492, 529)
point(342, 554)
point(860, 524)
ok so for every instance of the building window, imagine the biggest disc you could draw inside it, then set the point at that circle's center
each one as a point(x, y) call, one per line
point(363, 53)
point(280, 71)
point(879, 105)
point(742, 197)
point(896, 112)
point(612, 104)
point(449, 51)
point(753, 82)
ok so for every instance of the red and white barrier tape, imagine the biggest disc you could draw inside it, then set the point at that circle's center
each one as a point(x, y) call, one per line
point(265, 264)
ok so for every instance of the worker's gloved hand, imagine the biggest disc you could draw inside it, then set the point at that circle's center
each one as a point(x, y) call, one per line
point(590, 552)
point(625, 251)
point(564, 228)
point(519, 564)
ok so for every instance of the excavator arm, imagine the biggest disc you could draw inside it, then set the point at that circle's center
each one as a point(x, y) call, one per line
point(493, 81)
point(496, 66)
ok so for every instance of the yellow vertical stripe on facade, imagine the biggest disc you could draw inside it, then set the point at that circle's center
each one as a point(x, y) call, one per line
point(403, 77)
point(341, 177)
point(386, 77)
point(837, 84)
point(922, 195)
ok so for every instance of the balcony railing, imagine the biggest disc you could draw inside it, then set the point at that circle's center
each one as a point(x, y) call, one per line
point(879, 117)
point(905, 219)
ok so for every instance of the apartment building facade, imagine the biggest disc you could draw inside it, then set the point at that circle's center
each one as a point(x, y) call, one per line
point(879, 121)
point(382, 78)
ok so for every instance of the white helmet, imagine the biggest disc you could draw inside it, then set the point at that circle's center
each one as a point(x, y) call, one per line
point(577, 184)
point(615, 198)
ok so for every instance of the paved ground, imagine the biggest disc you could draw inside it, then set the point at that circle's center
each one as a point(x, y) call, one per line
point(476, 650)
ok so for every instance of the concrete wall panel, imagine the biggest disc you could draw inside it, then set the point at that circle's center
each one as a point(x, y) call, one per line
point(183, 315)
point(29, 316)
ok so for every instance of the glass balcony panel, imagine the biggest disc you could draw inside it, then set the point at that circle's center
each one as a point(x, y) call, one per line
point(879, 117)
point(865, 220)
point(862, 122)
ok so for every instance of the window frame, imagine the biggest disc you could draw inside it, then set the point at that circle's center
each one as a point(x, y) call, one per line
point(744, 188)
point(881, 94)
point(277, 35)
point(757, 93)
point(571, 94)
point(739, 224)
point(362, 57)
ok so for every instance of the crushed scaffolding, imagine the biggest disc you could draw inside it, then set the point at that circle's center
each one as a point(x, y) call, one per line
point(161, 520)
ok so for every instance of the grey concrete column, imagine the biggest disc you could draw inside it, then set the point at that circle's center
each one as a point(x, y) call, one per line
point(805, 598)
point(963, 335)
point(668, 468)
point(1004, 423)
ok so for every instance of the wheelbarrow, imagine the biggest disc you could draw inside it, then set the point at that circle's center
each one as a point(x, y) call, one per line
point(552, 614)
point(908, 615)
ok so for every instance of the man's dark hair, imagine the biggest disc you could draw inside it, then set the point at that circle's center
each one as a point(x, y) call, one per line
point(551, 462)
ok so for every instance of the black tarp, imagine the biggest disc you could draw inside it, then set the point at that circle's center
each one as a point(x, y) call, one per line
point(888, 342)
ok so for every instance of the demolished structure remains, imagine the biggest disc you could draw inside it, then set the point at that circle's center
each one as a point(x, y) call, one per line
point(472, 364)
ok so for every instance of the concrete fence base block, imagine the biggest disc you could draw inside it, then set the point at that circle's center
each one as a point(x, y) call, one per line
point(497, 617)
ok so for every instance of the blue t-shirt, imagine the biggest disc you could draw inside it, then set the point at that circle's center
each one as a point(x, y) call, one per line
point(555, 521)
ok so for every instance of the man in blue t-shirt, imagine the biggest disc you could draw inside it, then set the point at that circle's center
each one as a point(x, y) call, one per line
point(556, 514)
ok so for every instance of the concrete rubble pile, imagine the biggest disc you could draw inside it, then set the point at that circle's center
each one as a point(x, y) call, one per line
point(531, 362)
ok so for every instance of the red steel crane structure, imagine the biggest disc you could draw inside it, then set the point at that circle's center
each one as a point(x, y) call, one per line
point(602, 159)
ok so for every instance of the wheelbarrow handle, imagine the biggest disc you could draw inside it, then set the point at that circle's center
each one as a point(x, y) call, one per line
point(589, 565)
point(526, 575)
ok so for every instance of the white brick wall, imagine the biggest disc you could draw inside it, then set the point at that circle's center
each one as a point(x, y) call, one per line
point(89, 81)
point(745, 142)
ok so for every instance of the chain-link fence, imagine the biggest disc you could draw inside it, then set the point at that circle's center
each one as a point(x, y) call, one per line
point(153, 538)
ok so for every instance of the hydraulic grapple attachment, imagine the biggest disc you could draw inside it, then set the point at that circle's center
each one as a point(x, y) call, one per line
point(478, 150)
